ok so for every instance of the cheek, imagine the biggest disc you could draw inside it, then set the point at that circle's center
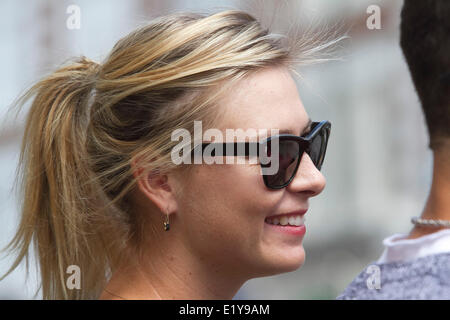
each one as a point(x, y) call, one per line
point(225, 208)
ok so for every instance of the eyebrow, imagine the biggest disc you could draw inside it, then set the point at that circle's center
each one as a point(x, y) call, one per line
point(290, 131)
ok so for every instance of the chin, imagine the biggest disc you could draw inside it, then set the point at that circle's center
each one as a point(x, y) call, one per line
point(293, 261)
point(283, 263)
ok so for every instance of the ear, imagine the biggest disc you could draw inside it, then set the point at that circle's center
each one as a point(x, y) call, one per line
point(156, 187)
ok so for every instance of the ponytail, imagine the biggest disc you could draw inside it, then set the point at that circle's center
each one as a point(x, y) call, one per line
point(56, 204)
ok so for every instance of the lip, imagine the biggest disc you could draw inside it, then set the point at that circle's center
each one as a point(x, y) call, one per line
point(293, 230)
point(300, 212)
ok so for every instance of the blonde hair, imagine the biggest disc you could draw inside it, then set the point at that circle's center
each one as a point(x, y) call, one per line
point(89, 122)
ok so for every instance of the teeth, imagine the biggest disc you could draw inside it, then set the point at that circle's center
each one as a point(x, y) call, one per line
point(284, 221)
point(292, 220)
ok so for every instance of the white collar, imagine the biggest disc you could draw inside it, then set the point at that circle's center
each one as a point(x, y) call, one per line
point(397, 248)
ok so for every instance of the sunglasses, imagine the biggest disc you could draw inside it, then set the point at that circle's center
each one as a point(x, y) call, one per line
point(290, 151)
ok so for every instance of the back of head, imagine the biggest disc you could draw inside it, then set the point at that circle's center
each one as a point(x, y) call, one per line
point(425, 41)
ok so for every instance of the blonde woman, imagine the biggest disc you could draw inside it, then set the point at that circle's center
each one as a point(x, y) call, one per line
point(100, 189)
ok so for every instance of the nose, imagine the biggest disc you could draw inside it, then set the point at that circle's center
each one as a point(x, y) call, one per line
point(308, 179)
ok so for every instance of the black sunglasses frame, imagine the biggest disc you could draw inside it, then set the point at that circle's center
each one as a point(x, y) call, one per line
point(317, 128)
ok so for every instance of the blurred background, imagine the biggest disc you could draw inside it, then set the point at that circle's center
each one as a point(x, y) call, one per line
point(378, 166)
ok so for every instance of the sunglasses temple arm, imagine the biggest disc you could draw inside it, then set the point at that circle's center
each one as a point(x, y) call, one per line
point(233, 148)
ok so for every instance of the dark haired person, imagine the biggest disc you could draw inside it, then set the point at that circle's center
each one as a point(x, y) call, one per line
point(417, 265)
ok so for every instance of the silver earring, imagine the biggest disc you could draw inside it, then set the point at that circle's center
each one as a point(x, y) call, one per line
point(166, 223)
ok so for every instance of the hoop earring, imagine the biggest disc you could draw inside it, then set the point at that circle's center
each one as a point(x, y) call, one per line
point(166, 223)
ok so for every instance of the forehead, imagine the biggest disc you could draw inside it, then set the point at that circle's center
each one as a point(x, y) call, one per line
point(266, 99)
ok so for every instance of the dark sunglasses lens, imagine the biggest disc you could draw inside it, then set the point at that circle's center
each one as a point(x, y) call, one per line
point(316, 150)
point(287, 162)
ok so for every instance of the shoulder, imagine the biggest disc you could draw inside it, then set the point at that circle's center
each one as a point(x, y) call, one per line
point(423, 278)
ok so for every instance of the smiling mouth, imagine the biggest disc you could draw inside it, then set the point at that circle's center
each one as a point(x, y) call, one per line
point(292, 220)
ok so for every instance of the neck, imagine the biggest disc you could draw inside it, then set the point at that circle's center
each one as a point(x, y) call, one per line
point(438, 202)
point(171, 271)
